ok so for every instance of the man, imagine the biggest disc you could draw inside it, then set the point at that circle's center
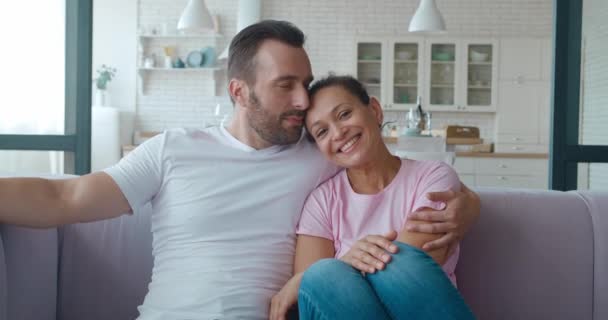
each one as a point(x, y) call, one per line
point(225, 200)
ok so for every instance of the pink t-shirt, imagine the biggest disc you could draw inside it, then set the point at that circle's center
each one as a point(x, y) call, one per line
point(335, 212)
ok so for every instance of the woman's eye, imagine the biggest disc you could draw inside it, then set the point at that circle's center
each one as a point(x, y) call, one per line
point(343, 114)
point(321, 133)
point(285, 85)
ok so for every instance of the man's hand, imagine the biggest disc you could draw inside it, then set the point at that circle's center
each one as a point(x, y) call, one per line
point(462, 210)
point(369, 254)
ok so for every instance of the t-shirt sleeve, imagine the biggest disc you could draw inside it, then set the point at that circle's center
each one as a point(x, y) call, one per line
point(315, 219)
point(436, 177)
point(139, 174)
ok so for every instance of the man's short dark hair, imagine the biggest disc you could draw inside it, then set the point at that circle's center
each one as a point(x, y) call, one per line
point(348, 83)
point(244, 46)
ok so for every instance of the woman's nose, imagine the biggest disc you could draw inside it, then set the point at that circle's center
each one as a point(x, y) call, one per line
point(338, 133)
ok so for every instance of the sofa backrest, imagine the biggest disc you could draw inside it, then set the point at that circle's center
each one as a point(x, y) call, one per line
point(105, 268)
point(530, 256)
point(597, 202)
point(31, 273)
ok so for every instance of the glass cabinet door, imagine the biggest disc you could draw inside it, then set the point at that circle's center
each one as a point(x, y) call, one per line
point(369, 67)
point(442, 80)
point(405, 73)
point(480, 58)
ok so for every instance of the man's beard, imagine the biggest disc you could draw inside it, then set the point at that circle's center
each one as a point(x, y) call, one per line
point(268, 126)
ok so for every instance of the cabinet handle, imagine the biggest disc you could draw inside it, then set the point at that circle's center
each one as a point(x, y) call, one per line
point(502, 178)
point(504, 166)
point(517, 139)
point(517, 148)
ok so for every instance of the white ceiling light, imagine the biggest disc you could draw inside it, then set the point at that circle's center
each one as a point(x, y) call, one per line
point(249, 12)
point(195, 18)
point(427, 18)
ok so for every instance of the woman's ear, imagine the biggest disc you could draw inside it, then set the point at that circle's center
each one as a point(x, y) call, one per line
point(376, 108)
point(239, 91)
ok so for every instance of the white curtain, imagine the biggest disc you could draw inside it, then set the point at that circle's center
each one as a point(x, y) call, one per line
point(32, 99)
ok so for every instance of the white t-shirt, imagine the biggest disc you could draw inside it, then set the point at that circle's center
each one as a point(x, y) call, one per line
point(223, 221)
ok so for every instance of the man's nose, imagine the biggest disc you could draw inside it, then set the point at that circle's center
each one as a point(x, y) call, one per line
point(301, 100)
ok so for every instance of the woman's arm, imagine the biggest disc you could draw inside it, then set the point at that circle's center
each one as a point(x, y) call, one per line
point(309, 249)
point(418, 239)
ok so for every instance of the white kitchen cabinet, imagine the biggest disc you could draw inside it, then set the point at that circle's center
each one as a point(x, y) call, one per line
point(518, 111)
point(523, 112)
point(455, 74)
point(461, 75)
point(405, 72)
point(521, 59)
point(503, 172)
point(442, 71)
point(370, 67)
point(511, 181)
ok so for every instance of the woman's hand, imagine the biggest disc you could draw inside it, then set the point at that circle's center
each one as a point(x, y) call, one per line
point(370, 253)
point(284, 299)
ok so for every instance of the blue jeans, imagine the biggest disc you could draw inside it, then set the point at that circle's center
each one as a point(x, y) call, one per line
point(412, 286)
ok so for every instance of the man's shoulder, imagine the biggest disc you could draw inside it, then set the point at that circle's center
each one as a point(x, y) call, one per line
point(176, 137)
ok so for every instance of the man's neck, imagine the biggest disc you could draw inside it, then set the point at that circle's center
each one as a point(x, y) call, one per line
point(242, 131)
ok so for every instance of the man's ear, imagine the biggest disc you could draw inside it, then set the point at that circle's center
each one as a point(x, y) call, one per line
point(376, 108)
point(239, 91)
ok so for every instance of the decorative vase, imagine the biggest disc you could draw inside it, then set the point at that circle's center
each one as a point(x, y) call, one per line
point(100, 98)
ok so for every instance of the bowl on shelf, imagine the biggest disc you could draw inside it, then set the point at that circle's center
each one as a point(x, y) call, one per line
point(478, 56)
point(443, 56)
point(405, 55)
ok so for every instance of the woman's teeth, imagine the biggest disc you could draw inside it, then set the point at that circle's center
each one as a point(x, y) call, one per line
point(349, 144)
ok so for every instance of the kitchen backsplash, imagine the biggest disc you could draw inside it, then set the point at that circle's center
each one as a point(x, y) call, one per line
point(331, 28)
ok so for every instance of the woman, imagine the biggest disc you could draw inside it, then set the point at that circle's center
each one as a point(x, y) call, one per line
point(358, 217)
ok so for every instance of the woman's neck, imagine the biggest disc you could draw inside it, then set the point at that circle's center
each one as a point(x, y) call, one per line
point(374, 176)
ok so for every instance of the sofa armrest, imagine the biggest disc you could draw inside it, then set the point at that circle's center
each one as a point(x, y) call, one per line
point(597, 202)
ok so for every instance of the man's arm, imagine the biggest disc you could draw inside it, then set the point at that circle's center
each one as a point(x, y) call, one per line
point(461, 212)
point(42, 203)
point(309, 249)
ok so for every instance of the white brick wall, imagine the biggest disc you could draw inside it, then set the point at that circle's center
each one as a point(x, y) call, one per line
point(594, 110)
point(331, 28)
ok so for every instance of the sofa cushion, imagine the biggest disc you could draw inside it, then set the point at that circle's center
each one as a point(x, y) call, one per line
point(598, 203)
point(530, 256)
point(31, 272)
point(3, 286)
point(105, 268)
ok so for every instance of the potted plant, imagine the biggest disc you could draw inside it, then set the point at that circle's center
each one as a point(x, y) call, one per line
point(104, 76)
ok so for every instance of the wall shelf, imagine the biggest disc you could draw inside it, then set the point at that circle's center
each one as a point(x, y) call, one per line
point(181, 36)
point(143, 72)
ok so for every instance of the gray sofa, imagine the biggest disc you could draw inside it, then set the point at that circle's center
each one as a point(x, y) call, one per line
point(532, 255)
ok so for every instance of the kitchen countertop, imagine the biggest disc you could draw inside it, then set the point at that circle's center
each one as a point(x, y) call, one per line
point(128, 148)
point(502, 155)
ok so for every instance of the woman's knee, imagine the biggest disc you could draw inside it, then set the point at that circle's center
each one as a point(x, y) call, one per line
point(322, 270)
point(409, 261)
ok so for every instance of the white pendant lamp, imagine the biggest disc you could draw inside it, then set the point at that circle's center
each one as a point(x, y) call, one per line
point(195, 18)
point(427, 18)
point(249, 12)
